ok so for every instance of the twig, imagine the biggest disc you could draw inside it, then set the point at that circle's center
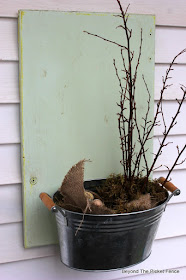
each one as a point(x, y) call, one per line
point(162, 144)
point(174, 164)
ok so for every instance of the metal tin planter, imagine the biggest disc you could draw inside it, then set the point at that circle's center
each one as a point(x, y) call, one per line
point(106, 242)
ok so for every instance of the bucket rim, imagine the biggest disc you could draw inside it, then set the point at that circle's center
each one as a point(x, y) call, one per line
point(120, 214)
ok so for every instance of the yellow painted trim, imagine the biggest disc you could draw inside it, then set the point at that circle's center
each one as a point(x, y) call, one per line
point(89, 14)
point(20, 40)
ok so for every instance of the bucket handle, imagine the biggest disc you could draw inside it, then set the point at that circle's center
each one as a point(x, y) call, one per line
point(48, 202)
point(170, 187)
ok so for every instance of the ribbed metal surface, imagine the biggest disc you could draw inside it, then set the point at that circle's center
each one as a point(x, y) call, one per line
point(105, 242)
point(112, 224)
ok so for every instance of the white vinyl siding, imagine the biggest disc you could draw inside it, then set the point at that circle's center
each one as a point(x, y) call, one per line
point(43, 262)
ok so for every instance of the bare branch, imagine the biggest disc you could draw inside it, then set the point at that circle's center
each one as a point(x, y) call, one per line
point(127, 115)
point(174, 164)
point(162, 144)
point(107, 40)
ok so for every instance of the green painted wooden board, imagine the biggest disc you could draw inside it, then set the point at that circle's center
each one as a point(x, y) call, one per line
point(68, 92)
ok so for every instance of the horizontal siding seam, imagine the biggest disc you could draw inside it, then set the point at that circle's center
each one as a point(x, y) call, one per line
point(156, 63)
point(31, 258)
point(170, 237)
point(6, 102)
point(20, 182)
point(6, 17)
point(155, 136)
point(9, 223)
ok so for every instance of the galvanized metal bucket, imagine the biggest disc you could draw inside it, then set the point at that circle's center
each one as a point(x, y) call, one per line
point(106, 242)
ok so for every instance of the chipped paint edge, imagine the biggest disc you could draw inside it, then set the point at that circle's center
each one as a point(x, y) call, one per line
point(20, 43)
point(85, 13)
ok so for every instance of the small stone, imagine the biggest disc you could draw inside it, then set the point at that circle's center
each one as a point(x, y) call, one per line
point(89, 195)
point(97, 202)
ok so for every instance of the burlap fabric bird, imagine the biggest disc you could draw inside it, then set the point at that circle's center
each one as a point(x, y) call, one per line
point(140, 204)
point(73, 194)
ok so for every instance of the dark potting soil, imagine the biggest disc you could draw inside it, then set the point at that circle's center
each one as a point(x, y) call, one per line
point(123, 197)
